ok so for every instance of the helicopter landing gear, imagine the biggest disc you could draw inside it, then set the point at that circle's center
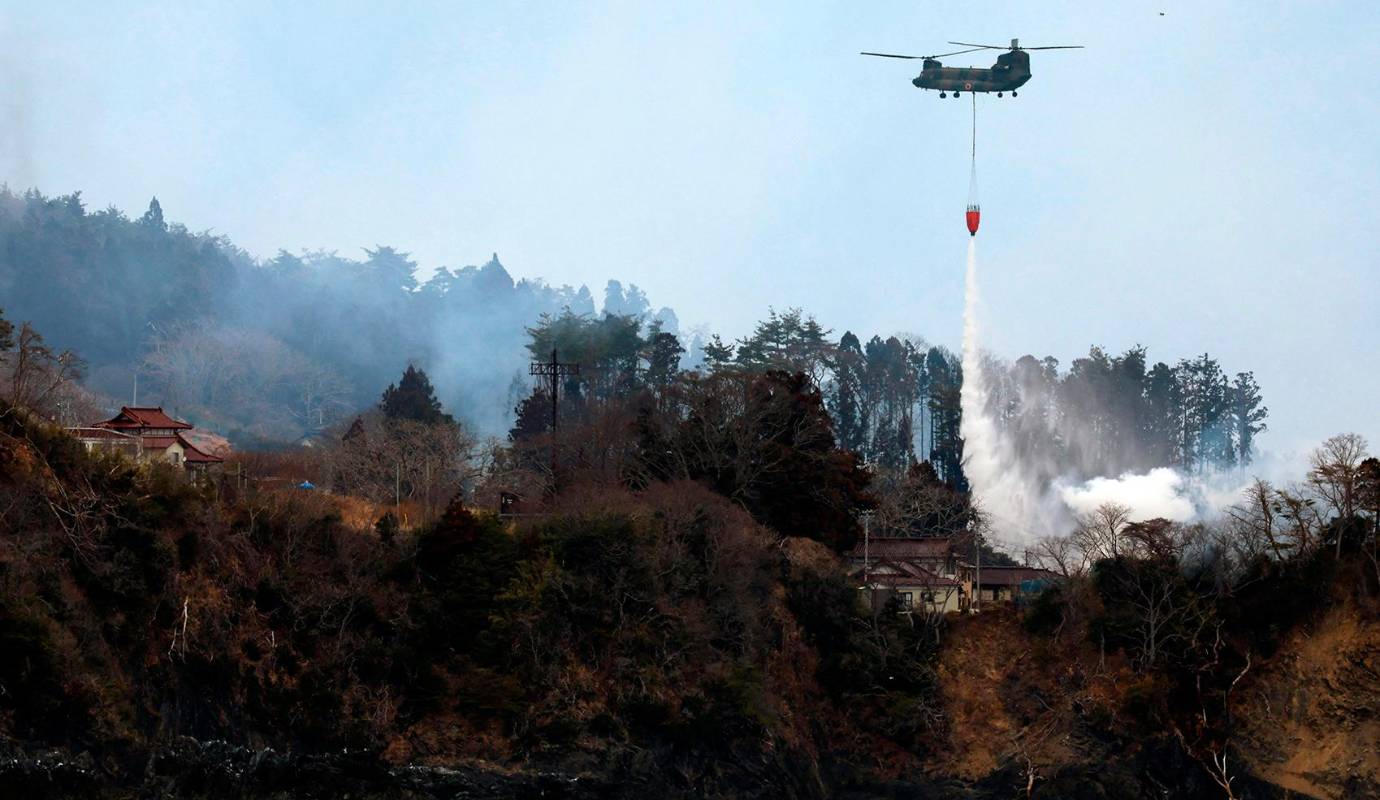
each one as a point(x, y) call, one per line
point(1013, 92)
point(998, 94)
point(942, 95)
point(955, 94)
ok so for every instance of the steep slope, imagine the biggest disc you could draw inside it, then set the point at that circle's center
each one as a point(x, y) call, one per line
point(1310, 719)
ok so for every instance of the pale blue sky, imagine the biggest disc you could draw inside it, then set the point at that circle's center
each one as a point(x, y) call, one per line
point(1199, 181)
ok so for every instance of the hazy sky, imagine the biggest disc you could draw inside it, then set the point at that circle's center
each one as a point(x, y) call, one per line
point(1200, 181)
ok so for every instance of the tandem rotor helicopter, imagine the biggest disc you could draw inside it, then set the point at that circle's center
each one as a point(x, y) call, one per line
point(1011, 71)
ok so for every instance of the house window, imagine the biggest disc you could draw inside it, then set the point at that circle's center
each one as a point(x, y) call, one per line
point(905, 598)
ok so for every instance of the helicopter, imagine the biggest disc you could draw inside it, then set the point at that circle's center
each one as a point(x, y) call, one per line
point(1011, 71)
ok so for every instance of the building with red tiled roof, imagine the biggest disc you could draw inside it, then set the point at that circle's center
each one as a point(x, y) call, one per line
point(157, 436)
point(146, 420)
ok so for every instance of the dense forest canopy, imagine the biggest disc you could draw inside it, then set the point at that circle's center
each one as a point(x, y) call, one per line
point(271, 351)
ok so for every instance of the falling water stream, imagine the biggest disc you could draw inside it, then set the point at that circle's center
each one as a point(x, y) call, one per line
point(1012, 499)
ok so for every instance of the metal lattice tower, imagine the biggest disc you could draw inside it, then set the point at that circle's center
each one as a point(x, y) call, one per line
point(551, 373)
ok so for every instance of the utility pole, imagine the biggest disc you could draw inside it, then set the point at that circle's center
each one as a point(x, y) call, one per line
point(867, 562)
point(977, 569)
point(552, 371)
point(867, 547)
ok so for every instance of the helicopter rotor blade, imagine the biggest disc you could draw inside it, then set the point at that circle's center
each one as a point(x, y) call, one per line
point(939, 55)
point(957, 52)
point(1057, 47)
point(980, 46)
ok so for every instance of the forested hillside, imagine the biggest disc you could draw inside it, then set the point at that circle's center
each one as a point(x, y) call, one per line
point(674, 619)
point(896, 400)
point(270, 351)
point(267, 350)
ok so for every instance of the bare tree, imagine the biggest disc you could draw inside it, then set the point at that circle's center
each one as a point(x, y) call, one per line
point(246, 375)
point(1336, 475)
point(1253, 523)
point(1061, 554)
point(1158, 607)
point(919, 503)
point(1101, 533)
point(1302, 517)
point(322, 395)
point(35, 375)
point(397, 460)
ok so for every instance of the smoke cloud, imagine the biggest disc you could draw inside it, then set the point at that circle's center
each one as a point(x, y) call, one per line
point(1161, 492)
point(1026, 495)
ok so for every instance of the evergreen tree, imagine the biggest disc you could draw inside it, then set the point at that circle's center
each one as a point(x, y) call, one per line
point(413, 398)
point(532, 417)
point(635, 303)
point(1159, 420)
point(717, 355)
point(1207, 431)
point(613, 298)
point(390, 270)
point(946, 382)
point(850, 418)
point(1247, 415)
point(583, 304)
point(663, 360)
point(153, 218)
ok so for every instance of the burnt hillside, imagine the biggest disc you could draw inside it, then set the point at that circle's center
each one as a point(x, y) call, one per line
point(159, 638)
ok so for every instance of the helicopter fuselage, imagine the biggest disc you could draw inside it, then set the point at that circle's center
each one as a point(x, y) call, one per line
point(1011, 72)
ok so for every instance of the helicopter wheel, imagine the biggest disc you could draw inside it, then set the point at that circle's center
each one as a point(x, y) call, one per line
point(1013, 93)
point(955, 94)
point(998, 94)
point(942, 95)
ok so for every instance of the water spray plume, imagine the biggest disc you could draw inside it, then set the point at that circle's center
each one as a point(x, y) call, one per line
point(1011, 498)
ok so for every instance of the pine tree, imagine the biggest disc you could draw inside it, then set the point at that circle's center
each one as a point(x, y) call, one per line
point(532, 417)
point(946, 409)
point(613, 298)
point(1247, 415)
point(153, 218)
point(663, 360)
point(1160, 400)
point(390, 269)
point(846, 404)
point(413, 398)
point(717, 354)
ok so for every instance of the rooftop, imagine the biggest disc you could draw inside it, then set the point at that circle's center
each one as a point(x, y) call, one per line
point(888, 548)
point(143, 417)
point(1013, 576)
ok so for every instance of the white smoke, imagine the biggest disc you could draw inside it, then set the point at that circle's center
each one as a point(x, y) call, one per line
point(1161, 492)
point(1020, 500)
